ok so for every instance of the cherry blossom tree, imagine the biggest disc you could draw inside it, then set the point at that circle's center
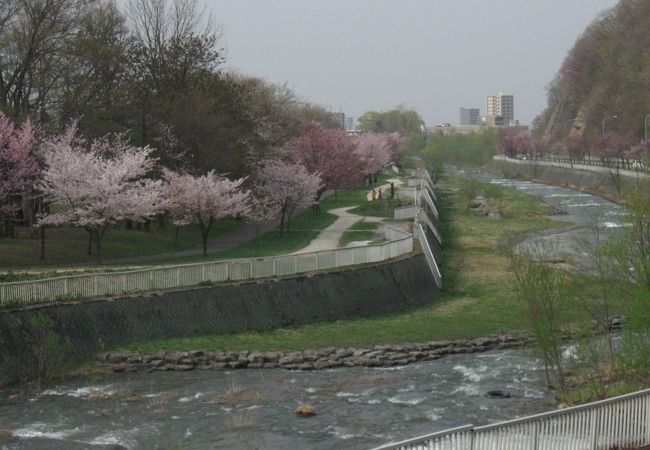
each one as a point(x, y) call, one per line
point(329, 152)
point(262, 209)
point(506, 141)
point(203, 200)
point(96, 185)
point(396, 144)
point(290, 186)
point(373, 151)
point(19, 170)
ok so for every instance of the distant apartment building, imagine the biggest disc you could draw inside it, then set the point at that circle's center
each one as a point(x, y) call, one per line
point(500, 109)
point(349, 123)
point(339, 118)
point(470, 116)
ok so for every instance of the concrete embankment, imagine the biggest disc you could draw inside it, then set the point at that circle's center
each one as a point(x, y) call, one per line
point(326, 358)
point(95, 326)
point(604, 183)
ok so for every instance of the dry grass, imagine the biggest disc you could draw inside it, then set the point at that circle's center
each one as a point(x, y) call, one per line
point(237, 395)
point(240, 421)
point(5, 433)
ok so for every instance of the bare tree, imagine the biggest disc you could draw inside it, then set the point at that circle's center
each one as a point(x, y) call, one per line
point(32, 36)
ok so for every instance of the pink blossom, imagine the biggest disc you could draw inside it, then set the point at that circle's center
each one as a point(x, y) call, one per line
point(330, 153)
point(203, 200)
point(99, 186)
point(290, 186)
point(374, 152)
point(19, 169)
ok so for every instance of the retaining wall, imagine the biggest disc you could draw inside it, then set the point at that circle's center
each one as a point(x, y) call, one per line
point(94, 326)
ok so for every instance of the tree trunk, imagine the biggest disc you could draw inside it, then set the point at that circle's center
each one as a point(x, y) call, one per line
point(98, 242)
point(89, 251)
point(284, 210)
point(289, 220)
point(205, 243)
point(42, 242)
point(176, 232)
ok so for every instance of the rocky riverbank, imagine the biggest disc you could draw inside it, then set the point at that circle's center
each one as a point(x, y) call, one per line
point(326, 358)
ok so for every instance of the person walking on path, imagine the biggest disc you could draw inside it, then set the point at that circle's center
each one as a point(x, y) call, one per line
point(374, 195)
point(379, 195)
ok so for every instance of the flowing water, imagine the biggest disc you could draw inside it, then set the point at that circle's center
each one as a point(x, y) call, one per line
point(355, 407)
point(584, 213)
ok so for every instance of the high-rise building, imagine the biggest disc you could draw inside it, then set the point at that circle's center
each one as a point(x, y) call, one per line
point(339, 118)
point(470, 116)
point(349, 123)
point(502, 106)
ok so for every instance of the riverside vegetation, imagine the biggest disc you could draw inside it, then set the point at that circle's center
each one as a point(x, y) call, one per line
point(479, 296)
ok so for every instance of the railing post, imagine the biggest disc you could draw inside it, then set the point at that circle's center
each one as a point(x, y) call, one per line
point(250, 268)
point(178, 276)
point(647, 419)
point(536, 435)
point(202, 273)
point(96, 279)
point(295, 264)
point(275, 267)
point(65, 286)
point(593, 433)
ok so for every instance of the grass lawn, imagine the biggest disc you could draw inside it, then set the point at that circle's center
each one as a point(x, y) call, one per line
point(360, 231)
point(477, 300)
point(66, 247)
point(380, 208)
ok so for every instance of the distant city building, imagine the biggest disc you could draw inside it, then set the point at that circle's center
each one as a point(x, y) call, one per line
point(349, 123)
point(500, 109)
point(339, 118)
point(470, 116)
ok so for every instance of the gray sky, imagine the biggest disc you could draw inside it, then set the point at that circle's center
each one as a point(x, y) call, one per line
point(431, 55)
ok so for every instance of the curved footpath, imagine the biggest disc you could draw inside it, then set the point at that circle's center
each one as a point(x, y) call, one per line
point(385, 187)
point(330, 237)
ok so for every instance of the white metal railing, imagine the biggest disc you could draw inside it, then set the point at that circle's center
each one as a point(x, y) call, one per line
point(428, 253)
point(432, 206)
point(424, 218)
point(588, 165)
point(170, 277)
point(618, 422)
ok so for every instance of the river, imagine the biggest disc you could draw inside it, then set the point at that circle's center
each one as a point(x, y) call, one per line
point(584, 213)
point(355, 407)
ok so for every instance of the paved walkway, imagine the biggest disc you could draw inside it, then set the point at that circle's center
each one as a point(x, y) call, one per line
point(329, 238)
point(385, 188)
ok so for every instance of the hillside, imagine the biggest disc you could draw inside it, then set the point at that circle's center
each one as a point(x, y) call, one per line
point(606, 73)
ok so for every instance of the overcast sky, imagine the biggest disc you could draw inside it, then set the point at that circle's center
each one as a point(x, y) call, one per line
point(432, 55)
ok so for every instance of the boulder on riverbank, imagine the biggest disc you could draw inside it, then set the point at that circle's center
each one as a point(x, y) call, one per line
point(326, 358)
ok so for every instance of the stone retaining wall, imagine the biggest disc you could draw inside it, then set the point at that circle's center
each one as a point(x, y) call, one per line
point(95, 326)
point(327, 358)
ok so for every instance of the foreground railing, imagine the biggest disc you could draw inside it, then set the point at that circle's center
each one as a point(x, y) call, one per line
point(170, 277)
point(616, 423)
